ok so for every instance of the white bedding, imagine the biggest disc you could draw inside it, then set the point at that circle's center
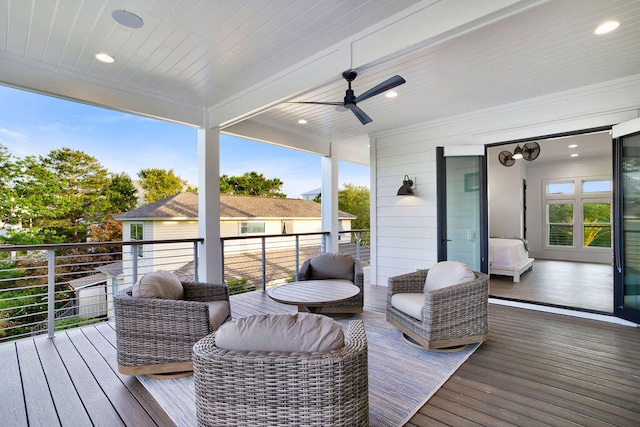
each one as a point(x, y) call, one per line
point(506, 253)
point(509, 257)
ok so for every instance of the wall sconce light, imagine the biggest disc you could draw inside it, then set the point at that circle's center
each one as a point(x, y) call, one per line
point(406, 189)
point(517, 153)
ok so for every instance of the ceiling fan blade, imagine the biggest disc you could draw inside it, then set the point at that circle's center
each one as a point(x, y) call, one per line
point(361, 115)
point(317, 103)
point(382, 87)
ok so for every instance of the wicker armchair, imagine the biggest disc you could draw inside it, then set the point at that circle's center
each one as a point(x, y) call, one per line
point(156, 336)
point(336, 266)
point(450, 318)
point(235, 388)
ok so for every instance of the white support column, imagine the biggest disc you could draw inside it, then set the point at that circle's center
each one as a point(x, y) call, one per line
point(330, 201)
point(210, 264)
point(373, 213)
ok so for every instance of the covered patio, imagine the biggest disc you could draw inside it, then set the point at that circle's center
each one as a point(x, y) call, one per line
point(536, 368)
point(477, 73)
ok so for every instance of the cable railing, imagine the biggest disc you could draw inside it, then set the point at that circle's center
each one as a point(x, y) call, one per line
point(45, 288)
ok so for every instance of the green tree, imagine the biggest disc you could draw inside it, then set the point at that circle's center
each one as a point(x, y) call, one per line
point(251, 184)
point(160, 183)
point(355, 200)
point(63, 192)
point(7, 194)
point(121, 193)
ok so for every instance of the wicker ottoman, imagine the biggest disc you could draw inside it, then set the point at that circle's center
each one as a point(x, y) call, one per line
point(283, 389)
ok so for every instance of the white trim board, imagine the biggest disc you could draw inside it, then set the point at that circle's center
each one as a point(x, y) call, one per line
point(555, 310)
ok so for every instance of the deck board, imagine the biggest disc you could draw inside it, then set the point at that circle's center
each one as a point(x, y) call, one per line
point(535, 369)
point(546, 368)
point(98, 406)
point(41, 410)
point(11, 393)
point(66, 401)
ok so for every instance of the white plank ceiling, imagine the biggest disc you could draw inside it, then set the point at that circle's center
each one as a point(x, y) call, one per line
point(196, 55)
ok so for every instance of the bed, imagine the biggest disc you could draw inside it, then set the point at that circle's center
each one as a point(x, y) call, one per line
point(509, 257)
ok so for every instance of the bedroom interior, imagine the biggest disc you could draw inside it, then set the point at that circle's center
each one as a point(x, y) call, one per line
point(564, 262)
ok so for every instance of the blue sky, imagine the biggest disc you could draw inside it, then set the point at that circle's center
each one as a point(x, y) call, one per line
point(33, 124)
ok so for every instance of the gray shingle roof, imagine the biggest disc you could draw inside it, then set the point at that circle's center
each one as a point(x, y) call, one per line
point(185, 206)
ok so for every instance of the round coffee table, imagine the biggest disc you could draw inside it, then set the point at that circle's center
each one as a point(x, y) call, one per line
point(311, 295)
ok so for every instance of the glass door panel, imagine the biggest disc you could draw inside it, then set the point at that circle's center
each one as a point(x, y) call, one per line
point(627, 225)
point(462, 218)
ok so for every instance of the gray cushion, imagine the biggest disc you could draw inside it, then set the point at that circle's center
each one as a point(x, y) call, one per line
point(218, 312)
point(332, 266)
point(447, 273)
point(158, 284)
point(282, 333)
point(409, 303)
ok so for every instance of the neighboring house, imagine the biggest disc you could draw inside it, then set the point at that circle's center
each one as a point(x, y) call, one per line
point(310, 195)
point(176, 217)
point(90, 295)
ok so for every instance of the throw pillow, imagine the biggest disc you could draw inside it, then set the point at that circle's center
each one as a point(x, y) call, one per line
point(158, 284)
point(447, 273)
point(281, 333)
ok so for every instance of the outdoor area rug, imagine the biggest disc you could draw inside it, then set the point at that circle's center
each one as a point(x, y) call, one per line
point(401, 378)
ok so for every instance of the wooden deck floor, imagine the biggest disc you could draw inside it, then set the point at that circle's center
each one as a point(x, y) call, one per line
point(536, 369)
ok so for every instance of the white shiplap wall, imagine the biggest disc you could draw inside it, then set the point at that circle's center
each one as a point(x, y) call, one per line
point(406, 226)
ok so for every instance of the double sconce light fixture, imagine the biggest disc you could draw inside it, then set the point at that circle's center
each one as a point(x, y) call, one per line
point(529, 151)
point(406, 189)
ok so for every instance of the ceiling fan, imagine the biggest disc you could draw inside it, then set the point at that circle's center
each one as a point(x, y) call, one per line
point(529, 151)
point(350, 100)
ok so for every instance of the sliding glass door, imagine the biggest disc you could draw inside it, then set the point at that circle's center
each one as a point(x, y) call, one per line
point(627, 220)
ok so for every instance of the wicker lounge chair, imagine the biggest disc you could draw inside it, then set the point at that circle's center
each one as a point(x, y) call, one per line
point(156, 336)
point(336, 266)
point(444, 319)
point(271, 388)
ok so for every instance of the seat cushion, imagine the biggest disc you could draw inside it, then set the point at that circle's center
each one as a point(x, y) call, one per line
point(410, 304)
point(158, 284)
point(218, 312)
point(447, 273)
point(332, 266)
point(282, 333)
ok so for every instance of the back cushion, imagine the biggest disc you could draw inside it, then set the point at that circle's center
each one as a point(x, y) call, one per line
point(332, 266)
point(158, 284)
point(281, 332)
point(447, 273)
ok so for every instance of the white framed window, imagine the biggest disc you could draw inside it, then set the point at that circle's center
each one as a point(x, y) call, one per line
point(578, 213)
point(560, 223)
point(137, 233)
point(561, 187)
point(252, 228)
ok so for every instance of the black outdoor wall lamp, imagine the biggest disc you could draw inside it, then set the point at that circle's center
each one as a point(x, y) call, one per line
point(406, 189)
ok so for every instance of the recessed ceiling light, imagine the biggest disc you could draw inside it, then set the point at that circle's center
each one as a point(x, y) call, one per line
point(128, 19)
point(302, 121)
point(391, 94)
point(606, 27)
point(105, 57)
point(573, 145)
point(574, 155)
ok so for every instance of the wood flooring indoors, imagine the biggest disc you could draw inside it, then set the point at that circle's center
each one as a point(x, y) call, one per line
point(578, 285)
point(535, 369)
